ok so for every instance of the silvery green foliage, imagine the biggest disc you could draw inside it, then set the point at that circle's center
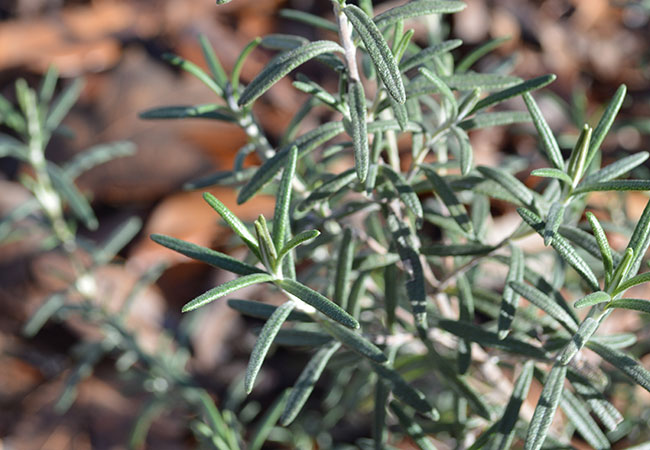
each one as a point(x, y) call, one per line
point(398, 310)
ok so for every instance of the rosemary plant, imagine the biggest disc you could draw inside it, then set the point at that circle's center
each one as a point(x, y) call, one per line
point(388, 267)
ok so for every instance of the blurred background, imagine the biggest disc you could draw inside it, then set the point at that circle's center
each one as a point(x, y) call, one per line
point(116, 46)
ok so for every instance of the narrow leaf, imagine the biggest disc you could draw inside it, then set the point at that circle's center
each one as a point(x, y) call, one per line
point(635, 304)
point(281, 65)
point(469, 249)
point(354, 342)
point(509, 182)
point(546, 304)
point(195, 70)
point(592, 299)
point(603, 409)
point(216, 69)
point(225, 289)
point(308, 19)
point(343, 269)
point(579, 416)
point(67, 189)
point(442, 88)
point(506, 430)
point(552, 173)
point(233, 221)
point(546, 407)
point(281, 225)
point(207, 111)
point(616, 169)
point(264, 341)
point(403, 391)
point(379, 52)
point(359, 131)
point(553, 222)
point(605, 123)
point(418, 8)
point(613, 185)
point(318, 301)
point(494, 119)
point(522, 88)
point(466, 157)
point(266, 424)
point(641, 278)
point(298, 239)
point(306, 381)
point(446, 194)
point(623, 362)
point(63, 103)
point(510, 298)
point(549, 143)
point(428, 53)
point(479, 52)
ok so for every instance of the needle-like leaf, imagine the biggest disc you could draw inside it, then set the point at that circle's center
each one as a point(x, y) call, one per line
point(548, 140)
point(225, 289)
point(379, 51)
point(281, 226)
point(358, 128)
point(546, 407)
point(264, 341)
point(418, 8)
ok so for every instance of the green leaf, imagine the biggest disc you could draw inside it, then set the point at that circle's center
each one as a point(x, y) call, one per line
point(354, 342)
point(417, 8)
point(546, 407)
point(475, 333)
point(585, 240)
point(267, 247)
point(635, 304)
point(96, 155)
point(211, 59)
point(405, 192)
point(295, 241)
point(623, 362)
point(553, 152)
point(63, 104)
point(578, 414)
point(306, 381)
point(263, 310)
point(206, 255)
point(480, 51)
point(552, 173)
point(48, 308)
point(266, 424)
point(308, 19)
point(509, 182)
point(466, 310)
point(428, 53)
point(359, 131)
point(605, 123)
point(469, 249)
point(296, 337)
point(505, 432)
point(225, 289)
point(343, 269)
point(592, 299)
point(615, 170)
point(638, 279)
point(613, 185)
point(310, 87)
point(546, 304)
point(494, 119)
point(446, 194)
point(484, 81)
point(264, 341)
point(621, 340)
point(80, 207)
point(466, 157)
point(305, 143)
point(318, 301)
point(234, 223)
point(281, 224)
point(565, 250)
point(391, 294)
point(237, 67)
point(622, 269)
point(411, 427)
point(207, 111)
point(196, 71)
point(640, 240)
point(281, 65)
point(442, 88)
point(283, 41)
point(403, 391)
point(379, 426)
point(604, 410)
point(510, 298)
point(328, 188)
point(553, 222)
point(586, 329)
point(379, 52)
point(519, 89)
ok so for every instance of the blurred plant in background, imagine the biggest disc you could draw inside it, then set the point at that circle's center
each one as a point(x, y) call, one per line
point(425, 340)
